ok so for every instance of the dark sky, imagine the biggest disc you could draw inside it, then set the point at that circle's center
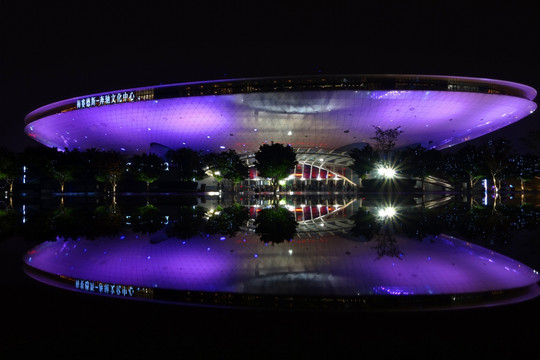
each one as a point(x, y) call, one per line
point(52, 52)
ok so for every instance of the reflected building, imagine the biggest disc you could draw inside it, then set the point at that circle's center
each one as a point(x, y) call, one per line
point(323, 266)
point(321, 117)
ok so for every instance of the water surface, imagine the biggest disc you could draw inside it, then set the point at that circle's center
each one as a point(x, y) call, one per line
point(300, 252)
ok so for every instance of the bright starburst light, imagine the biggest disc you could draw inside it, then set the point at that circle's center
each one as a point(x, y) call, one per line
point(386, 171)
point(387, 212)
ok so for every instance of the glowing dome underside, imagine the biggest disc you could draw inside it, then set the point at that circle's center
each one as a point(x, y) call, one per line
point(324, 119)
point(243, 264)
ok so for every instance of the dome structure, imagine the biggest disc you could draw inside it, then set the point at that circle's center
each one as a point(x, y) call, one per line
point(329, 113)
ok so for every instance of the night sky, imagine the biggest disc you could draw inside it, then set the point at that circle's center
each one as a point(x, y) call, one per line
point(52, 52)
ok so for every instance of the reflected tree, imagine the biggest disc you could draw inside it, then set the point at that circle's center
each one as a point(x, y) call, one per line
point(366, 224)
point(228, 220)
point(38, 225)
point(73, 223)
point(107, 220)
point(188, 222)
point(482, 224)
point(370, 226)
point(147, 219)
point(419, 222)
point(10, 222)
point(387, 243)
point(275, 225)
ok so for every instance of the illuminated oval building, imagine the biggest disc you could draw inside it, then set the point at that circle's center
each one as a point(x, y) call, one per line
point(321, 117)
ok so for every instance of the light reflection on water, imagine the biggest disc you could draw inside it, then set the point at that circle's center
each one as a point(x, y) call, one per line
point(297, 252)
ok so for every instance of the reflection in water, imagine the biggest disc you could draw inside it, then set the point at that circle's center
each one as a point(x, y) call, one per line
point(228, 220)
point(275, 225)
point(332, 253)
point(387, 244)
point(147, 219)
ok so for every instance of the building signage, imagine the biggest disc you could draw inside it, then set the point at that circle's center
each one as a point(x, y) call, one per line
point(107, 288)
point(108, 99)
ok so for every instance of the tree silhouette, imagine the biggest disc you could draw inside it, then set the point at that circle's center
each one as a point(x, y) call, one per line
point(226, 165)
point(38, 161)
point(66, 166)
point(275, 225)
point(147, 168)
point(189, 222)
point(147, 219)
point(495, 158)
point(109, 167)
point(228, 220)
point(363, 161)
point(275, 162)
point(385, 140)
point(186, 164)
point(10, 167)
point(469, 159)
point(525, 167)
point(366, 224)
point(452, 170)
point(419, 162)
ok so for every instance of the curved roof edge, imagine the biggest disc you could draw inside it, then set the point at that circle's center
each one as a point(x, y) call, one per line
point(409, 81)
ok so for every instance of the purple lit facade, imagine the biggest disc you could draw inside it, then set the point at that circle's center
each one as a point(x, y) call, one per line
point(313, 266)
point(330, 113)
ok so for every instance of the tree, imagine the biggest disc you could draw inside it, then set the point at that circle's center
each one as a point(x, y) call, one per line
point(420, 163)
point(9, 167)
point(237, 170)
point(470, 159)
point(109, 167)
point(363, 161)
point(147, 168)
point(275, 162)
point(216, 166)
point(226, 165)
point(385, 140)
point(525, 167)
point(65, 166)
point(186, 164)
point(495, 156)
point(38, 161)
point(452, 170)
point(51, 163)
